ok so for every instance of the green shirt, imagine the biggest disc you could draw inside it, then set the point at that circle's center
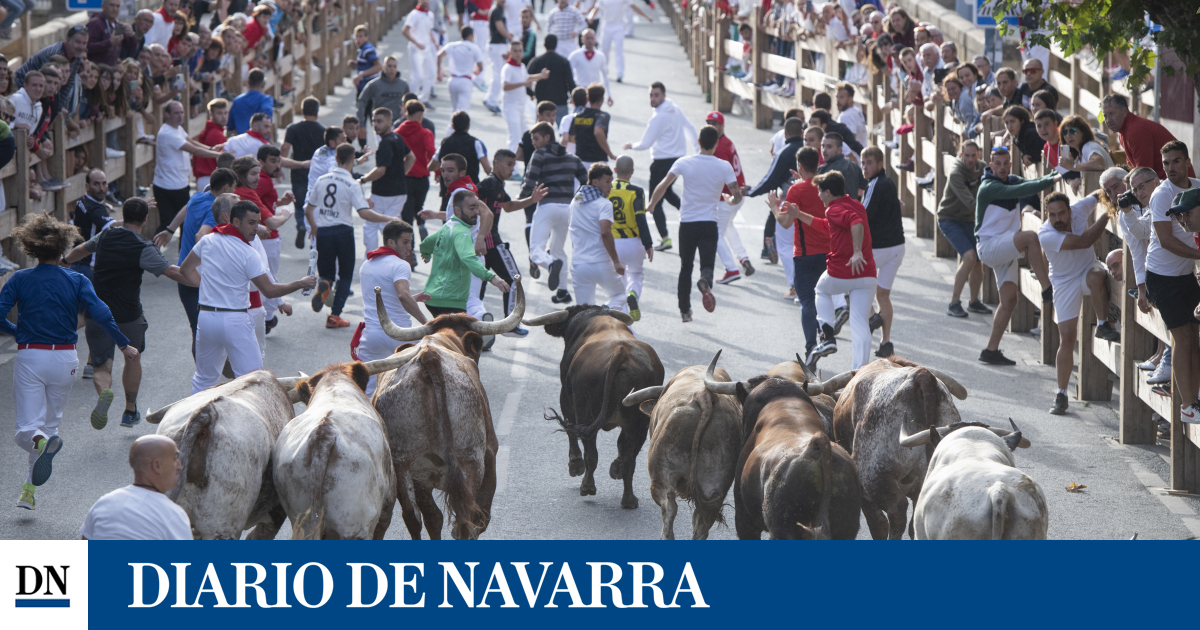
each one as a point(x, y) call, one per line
point(454, 262)
point(5, 132)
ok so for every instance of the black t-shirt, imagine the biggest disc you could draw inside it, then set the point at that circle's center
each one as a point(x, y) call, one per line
point(491, 192)
point(305, 137)
point(527, 148)
point(497, 16)
point(392, 150)
point(557, 88)
point(90, 218)
point(121, 257)
point(583, 127)
point(1025, 93)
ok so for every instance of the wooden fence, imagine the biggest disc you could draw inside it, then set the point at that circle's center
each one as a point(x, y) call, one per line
point(933, 146)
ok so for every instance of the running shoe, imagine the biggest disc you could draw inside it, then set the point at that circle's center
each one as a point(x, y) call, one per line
point(747, 268)
point(1147, 365)
point(876, 322)
point(26, 500)
point(885, 350)
point(518, 332)
point(535, 272)
point(100, 413)
point(480, 84)
point(491, 108)
point(44, 464)
point(1163, 390)
point(562, 297)
point(686, 317)
point(130, 419)
point(791, 293)
point(730, 276)
point(555, 270)
point(1162, 373)
point(300, 233)
point(978, 307)
point(488, 340)
point(88, 370)
point(1119, 75)
point(663, 245)
point(333, 321)
point(635, 313)
point(827, 346)
point(842, 316)
point(707, 298)
point(955, 309)
point(620, 79)
point(320, 295)
point(271, 324)
point(1060, 405)
point(995, 357)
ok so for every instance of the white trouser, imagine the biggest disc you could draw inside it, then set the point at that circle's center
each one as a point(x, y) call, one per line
point(550, 225)
point(514, 115)
point(372, 346)
point(422, 70)
point(460, 94)
point(732, 252)
point(631, 254)
point(222, 335)
point(614, 34)
point(259, 316)
point(272, 247)
point(862, 295)
point(495, 54)
point(481, 35)
point(474, 304)
point(585, 277)
point(567, 46)
point(629, 21)
point(202, 183)
point(783, 245)
point(42, 381)
point(390, 206)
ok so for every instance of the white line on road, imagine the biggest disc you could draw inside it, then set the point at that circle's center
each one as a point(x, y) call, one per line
point(509, 412)
point(501, 468)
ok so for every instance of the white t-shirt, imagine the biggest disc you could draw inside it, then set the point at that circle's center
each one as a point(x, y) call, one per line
point(160, 32)
point(135, 513)
point(1158, 259)
point(512, 15)
point(420, 24)
point(227, 264)
point(777, 142)
point(586, 246)
point(243, 145)
point(383, 272)
point(1135, 231)
point(612, 11)
point(463, 56)
point(857, 123)
point(704, 176)
point(336, 197)
point(514, 74)
point(589, 71)
point(323, 161)
point(1072, 263)
point(1094, 148)
point(171, 163)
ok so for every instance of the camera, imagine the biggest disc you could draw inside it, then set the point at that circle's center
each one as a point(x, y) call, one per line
point(1127, 199)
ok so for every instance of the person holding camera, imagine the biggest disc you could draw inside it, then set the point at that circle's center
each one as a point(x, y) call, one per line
point(1136, 227)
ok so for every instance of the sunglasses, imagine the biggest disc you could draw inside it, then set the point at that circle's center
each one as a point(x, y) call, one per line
point(1032, 70)
point(7, 117)
point(1072, 131)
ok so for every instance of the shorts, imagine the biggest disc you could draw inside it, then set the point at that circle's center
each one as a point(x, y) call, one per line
point(961, 234)
point(1175, 297)
point(1069, 294)
point(1000, 253)
point(102, 348)
point(887, 264)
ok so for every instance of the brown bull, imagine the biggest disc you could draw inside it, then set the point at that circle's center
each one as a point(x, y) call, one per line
point(438, 420)
point(601, 360)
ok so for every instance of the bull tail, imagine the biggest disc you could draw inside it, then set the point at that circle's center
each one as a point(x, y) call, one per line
point(460, 496)
point(695, 492)
point(606, 404)
point(193, 448)
point(322, 450)
point(1001, 498)
point(822, 442)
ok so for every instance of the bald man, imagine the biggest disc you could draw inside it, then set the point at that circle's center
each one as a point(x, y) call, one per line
point(142, 511)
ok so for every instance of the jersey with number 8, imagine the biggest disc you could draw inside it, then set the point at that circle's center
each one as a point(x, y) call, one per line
point(337, 197)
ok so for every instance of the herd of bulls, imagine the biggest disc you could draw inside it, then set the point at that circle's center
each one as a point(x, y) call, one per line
point(804, 457)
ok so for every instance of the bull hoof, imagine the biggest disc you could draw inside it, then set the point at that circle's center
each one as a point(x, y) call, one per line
point(575, 466)
point(630, 502)
point(587, 489)
point(614, 471)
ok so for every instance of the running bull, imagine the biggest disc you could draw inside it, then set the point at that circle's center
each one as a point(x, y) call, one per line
point(789, 472)
point(973, 489)
point(439, 424)
point(601, 359)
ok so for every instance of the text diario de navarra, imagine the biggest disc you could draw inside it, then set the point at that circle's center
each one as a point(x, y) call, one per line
point(507, 585)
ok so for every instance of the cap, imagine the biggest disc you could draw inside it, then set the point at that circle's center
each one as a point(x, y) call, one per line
point(1185, 201)
point(716, 117)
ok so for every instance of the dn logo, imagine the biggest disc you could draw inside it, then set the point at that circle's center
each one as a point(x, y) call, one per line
point(30, 580)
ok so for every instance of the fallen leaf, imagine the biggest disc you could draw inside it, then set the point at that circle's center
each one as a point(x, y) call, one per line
point(1075, 487)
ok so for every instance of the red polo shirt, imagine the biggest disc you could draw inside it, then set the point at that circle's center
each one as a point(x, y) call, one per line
point(843, 213)
point(1148, 139)
point(245, 194)
point(809, 239)
point(726, 151)
point(212, 135)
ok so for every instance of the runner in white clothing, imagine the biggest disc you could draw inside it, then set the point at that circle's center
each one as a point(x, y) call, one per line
point(418, 29)
point(516, 80)
point(613, 29)
point(589, 65)
point(388, 269)
point(850, 114)
point(221, 264)
point(466, 62)
point(595, 261)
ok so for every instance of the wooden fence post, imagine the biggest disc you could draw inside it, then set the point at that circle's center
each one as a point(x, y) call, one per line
point(763, 115)
point(942, 139)
point(922, 217)
point(57, 163)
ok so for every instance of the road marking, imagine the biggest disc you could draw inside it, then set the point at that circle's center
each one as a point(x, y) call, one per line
point(509, 412)
point(501, 468)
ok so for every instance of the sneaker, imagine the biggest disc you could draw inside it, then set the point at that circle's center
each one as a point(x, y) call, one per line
point(1119, 75)
point(555, 270)
point(1191, 413)
point(772, 253)
point(535, 272)
point(663, 245)
point(1060, 405)
point(271, 324)
point(1164, 429)
point(842, 316)
point(562, 297)
point(1048, 295)
point(1161, 374)
point(876, 322)
point(979, 307)
point(1163, 390)
point(892, 144)
point(707, 298)
point(885, 350)
point(925, 182)
point(906, 166)
point(113, 153)
point(480, 84)
point(491, 108)
point(334, 321)
point(130, 419)
point(300, 234)
point(88, 370)
point(54, 183)
point(995, 357)
point(518, 332)
point(320, 295)
point(488, 340)
point(44, 465)
point(620, 79)
point(635, 313)
point(686, 317)
point(730, 276)
point(765, 255)
point(26, 500)
point(1147, 365)
point(956, 310)
point(747, 268)
point(100, 413)
point(827, 346)
point(1108, 333)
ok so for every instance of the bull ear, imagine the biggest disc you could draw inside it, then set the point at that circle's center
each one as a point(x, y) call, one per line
point(473, 345)
point(358, 372)
point(304, 391)
point(647, 407)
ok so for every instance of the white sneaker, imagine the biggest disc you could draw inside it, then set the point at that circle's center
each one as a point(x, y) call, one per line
point(1161, 374)
point(113, 153)
point(1146, 366)
point(1190, 414)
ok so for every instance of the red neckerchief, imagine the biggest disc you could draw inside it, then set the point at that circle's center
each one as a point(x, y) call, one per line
point(382, 251)
point(461, 183)
point(254, 134)
point(589, 54)
point(228, 230)
point(514, 62)
point(166, 16)
point(422, 10)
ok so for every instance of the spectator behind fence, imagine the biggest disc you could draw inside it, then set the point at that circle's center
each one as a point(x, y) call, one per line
point(108, 38)
point(985, 69)
point(164, 24)
point(1140, 138)
point(1083, 152)
point(74, 49)
point(142, 23)
point(142, 511)
point(1034, 82)
point(250, 102)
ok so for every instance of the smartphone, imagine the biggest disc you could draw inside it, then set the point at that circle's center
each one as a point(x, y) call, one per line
point(133, 85)
point(177, 62)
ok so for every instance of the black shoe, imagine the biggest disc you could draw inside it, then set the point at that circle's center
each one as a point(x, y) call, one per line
point(488, 340)
point(535, 272)
point(1048, 295)
point(555, 270)
point(271, 324)
point(885, 350)
point(995, 357)
point(300, 233)
point(562, 297)
point(1106, 332)
point(956, 310)
point(876, 322)
point(424, 232)
point(979, 307)
point(1060, 405)
point(842, 316)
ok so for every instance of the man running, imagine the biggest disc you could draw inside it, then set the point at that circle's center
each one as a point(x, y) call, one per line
point(393, 160)
point(558, 171)
point(810, 244)
point(778, 239)
point(466, 62)
point(301, 139)
point(589, 65)
point(729, 242)
point(516, 81)
point(546, 111)
point(418, 30)
point(420, 141)
point(499, 38)
point(452, 250)
point(630, 231)
point(595, 261)
point(613, 30)
point(669, 133)
point(589, 129)
point(499, 257)
point(47, 297)
point(884, 219)
point(387, 268)
point(705, 175)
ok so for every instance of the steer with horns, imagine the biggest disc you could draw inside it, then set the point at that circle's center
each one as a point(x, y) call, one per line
point(601, 359)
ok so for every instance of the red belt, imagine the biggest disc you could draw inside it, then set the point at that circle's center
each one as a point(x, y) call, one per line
point(45, 346)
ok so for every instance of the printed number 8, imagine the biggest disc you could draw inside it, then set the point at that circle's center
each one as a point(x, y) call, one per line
point(329, 199)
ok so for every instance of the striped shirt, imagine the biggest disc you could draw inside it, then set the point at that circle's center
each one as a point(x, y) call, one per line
point(557, 170)
point(563, 22)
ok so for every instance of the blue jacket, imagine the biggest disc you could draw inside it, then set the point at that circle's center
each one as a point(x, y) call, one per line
point(246, 105)
point(47, 298)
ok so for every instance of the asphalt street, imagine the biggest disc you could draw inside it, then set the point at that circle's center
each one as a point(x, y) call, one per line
point(753, 324)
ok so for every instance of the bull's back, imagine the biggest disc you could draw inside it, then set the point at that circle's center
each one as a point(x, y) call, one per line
point(685, 408)
point(972, 500)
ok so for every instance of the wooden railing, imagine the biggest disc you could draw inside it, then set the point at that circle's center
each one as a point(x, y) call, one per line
point(932, 146)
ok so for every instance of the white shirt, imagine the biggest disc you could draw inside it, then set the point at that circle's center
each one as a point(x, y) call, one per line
point(160, 32)
point(1095, 148)
point(512, 15)
point(172, 165)
point(1068, 264)
point(514, 74)
point(227, 264)
point(588, 71)
point(614, 11)
point(243, 144)
point(463, 56)
point(704, 176)
point(857, 123)
point(586, 246)
point(777, 142)
point(1158, 259)
point(420, 25)
point(668, 131)
point(383, 272)
point(336, 196)
point(28, 112)
point(135, 513)
point(1135, 231)
point(927, 85)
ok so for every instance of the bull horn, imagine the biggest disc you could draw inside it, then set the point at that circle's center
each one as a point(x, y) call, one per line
point(1024, 443)
point(832, 385)
point(547, 319)
point(393, 362)
point(639, 396)
point(718, 387)
point(620, 316)
point(290, 382)
point(293, 396)
point(396, 332)
point(508, 323)
point(154, 417)
point(956, 389)
point(920, 438)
